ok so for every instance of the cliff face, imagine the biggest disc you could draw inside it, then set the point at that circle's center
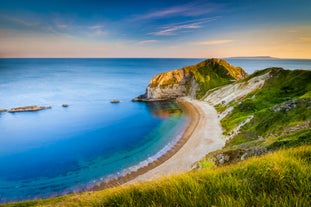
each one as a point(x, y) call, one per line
point(193, 80)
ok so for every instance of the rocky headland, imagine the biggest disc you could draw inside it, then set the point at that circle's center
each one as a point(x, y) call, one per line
point(192, 80)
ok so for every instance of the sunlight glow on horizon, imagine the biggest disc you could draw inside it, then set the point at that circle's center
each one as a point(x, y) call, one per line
point(185, 30)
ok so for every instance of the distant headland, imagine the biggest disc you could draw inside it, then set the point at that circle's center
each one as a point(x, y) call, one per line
point(253, 57)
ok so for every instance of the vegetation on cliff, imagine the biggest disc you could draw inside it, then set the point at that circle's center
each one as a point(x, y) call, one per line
point(194, 80)
point(277, 115)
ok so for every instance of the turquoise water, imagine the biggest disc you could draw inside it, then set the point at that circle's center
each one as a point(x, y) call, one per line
point(62, 150)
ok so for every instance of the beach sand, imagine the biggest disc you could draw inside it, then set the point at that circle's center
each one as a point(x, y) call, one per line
point(203, 135)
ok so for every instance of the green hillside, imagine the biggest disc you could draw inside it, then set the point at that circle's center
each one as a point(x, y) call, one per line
point(279, 113)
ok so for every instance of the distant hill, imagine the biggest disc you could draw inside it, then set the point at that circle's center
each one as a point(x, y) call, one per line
point(253, 57)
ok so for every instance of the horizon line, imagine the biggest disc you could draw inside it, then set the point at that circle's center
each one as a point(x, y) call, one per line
point(238, 57)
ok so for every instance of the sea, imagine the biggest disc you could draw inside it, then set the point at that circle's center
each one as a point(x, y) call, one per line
point(71, 149)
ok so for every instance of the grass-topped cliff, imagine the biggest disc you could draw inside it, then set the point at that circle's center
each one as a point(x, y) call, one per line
point(193, 80)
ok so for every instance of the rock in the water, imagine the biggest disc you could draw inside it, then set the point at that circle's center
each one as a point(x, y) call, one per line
point(3, 110)
point(65, 105)
point(115, 101)
point(29, 108)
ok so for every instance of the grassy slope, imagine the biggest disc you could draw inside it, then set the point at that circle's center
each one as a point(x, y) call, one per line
point(281, 178)
point(213, 73)
point(284, 87)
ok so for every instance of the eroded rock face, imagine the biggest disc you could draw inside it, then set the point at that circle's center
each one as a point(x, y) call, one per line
point(236, 91)
point(193, 80)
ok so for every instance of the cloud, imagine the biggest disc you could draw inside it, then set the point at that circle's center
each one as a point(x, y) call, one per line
point(214, 42)
point(187, 25)
point(143, 42)
point(190, 10)
point(62, 26)
point(22, 22)
point(96, 30)
point(96, 27)
point(171, 30)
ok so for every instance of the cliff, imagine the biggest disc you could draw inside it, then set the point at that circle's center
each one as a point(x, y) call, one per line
point(192, 80)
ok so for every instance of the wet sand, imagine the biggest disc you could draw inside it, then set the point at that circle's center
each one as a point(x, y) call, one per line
point(202, 135)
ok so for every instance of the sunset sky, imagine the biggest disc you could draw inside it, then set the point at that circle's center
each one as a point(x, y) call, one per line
point(162, 28)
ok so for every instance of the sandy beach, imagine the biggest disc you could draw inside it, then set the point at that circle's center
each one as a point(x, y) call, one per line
point(202, 135)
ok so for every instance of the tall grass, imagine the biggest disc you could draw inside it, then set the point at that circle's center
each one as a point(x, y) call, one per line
point(282, 178)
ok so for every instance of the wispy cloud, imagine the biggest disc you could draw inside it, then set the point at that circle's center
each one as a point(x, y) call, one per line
point(144, 42)
point(96, 30)
point(190, 9)
point(62, 26)
point(96, 27)
point(173, 29)
point(19, 21)
point(214, 42)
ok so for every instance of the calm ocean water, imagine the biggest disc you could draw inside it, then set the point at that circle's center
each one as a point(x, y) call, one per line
point(63, 150)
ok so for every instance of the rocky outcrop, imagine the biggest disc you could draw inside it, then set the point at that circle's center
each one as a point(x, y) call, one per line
point(3, 110)
point(28, 108)
point(192, 81)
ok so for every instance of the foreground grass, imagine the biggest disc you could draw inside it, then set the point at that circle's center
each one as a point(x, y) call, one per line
point(282, 178)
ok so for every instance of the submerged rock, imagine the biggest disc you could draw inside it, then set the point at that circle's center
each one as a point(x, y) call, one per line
point(65, 105)
point(28, 108)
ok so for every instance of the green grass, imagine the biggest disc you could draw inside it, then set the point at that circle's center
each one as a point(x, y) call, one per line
point(284, 86)
point(282, 178)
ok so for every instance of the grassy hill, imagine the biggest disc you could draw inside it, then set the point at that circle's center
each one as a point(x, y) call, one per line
point(281, 178)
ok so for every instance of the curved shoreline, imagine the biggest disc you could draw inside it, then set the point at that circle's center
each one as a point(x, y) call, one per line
point(202, 135)
point(194, 116)
point(205, 137)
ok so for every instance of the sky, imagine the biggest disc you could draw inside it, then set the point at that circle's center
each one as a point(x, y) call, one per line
point(157, 28)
